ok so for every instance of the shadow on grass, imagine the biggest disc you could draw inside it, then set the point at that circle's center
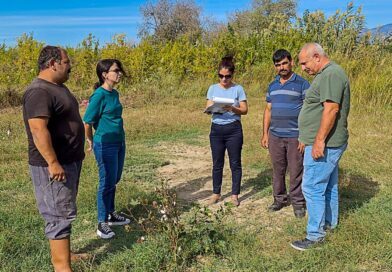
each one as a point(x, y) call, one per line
point(355, 190)
point(189, 191)
point(256, 185)
point(101, 248)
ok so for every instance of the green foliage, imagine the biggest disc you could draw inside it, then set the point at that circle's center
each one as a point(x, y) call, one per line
point(84, 59)
point(203, 232)
point(168, 20)
point(184, 66)
point(338, 33)
point(184, 238)
point(18, 65)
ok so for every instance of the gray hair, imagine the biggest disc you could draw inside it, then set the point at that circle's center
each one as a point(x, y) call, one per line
point(314, 48)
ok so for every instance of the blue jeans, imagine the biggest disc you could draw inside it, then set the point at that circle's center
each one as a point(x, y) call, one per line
point(320, 188)
point(110, 161)
point(228, 137)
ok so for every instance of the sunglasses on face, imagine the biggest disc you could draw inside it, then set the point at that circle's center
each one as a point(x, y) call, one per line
point(115, 71)
point(225, 76)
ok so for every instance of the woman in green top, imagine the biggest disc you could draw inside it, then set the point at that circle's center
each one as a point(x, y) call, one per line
point(104, 114)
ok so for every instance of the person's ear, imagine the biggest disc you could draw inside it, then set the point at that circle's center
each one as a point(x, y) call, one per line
point(51, 64)
point(316, 57)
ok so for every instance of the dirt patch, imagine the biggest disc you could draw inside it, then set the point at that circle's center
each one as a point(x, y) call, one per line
point(188, 171)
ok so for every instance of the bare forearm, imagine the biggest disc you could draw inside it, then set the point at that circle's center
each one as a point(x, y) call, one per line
point(327, 121)
point(43, 142)
point(242, 109)
point(88, 132)
point(266, 120)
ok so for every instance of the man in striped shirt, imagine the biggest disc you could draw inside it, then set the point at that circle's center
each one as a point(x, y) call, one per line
point(284, 98)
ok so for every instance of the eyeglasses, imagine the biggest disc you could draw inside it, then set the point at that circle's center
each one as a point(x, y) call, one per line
point(225, 76)
point(117, 71)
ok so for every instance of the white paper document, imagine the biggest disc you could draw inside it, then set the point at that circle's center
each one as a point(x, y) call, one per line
point(219, 103)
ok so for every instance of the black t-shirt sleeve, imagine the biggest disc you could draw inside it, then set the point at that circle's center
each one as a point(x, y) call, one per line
point(37, 103)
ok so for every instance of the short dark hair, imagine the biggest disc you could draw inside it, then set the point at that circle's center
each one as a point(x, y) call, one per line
point(227, 63)
point(104, 66)
point(281, 54)
point(47, 54)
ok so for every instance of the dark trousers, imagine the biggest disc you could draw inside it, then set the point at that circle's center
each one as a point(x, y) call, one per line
point(284, 154)
point(228, 137)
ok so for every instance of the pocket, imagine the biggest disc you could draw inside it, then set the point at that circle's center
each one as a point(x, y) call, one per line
point(64, 199)
point(39, 175)
point(214, 130)
point(308, 178)
point(334, 154)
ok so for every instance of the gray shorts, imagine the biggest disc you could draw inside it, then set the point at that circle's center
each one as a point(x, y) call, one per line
point(56, 201)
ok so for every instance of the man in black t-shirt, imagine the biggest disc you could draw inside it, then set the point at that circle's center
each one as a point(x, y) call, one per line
point(55, 135)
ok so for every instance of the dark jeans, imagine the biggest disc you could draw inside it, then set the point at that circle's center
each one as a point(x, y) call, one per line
point(284, 154)
point(228, 137)
point(110, 160)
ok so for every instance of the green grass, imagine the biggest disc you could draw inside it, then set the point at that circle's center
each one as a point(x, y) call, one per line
point(361, 243)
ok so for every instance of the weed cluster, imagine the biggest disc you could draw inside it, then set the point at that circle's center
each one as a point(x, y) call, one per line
point(187, 237)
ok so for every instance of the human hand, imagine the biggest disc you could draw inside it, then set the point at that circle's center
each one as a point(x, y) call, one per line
point(90, 145)
point(228, 108)
point(301, 147)
point(318, 149)
point(264, 141)
point(56, 172)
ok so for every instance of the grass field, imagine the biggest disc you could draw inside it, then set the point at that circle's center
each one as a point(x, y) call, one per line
point(363, 241)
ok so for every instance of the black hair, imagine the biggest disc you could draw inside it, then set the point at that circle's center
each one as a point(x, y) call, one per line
point(47, 54)
point(104, 66)
point(227, 63)
point(281, 54)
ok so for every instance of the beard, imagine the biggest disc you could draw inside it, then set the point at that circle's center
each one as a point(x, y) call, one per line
point(284, 72)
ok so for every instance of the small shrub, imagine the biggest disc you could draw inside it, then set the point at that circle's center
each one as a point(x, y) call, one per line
point(10, 98)
point(198, 233)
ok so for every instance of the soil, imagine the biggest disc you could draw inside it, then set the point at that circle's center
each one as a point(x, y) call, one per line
point(188, 171)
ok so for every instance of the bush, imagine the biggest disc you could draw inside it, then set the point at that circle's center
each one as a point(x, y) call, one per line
point(180, 239)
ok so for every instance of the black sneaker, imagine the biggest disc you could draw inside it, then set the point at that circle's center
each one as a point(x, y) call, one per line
point(104, 231)
point(305, 244)
point(276, 206)
point(299, 211)
point(116, 219)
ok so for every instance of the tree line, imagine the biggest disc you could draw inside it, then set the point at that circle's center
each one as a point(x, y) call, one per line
point(179, 47)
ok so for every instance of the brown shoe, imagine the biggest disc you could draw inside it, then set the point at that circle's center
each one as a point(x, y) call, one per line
point(234, 200)
point(214, 199)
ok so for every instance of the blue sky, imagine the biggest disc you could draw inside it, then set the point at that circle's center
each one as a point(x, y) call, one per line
point(68, 22)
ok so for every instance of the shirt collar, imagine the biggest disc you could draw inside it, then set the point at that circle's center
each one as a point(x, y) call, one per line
point(326, 66)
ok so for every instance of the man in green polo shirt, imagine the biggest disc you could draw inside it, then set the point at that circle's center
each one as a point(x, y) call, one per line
point(323, 130)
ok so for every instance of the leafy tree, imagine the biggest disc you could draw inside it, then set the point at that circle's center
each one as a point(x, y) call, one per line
point(263, 15)
point(84, 60)
point(167, 20)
